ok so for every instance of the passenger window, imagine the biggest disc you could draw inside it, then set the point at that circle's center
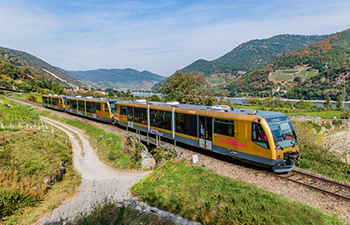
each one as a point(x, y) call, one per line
point(123, 110)
point(259, 136)
point(224, 127)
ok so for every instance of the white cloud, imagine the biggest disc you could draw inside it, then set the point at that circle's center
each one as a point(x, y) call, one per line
point(161, 38)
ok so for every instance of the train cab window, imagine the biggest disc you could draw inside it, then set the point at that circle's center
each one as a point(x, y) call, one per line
point(259, 136)
point(112, 105)
point(224, 127)
point(106, 108)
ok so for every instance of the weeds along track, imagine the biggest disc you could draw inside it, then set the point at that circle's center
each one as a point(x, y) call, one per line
point(325, 185)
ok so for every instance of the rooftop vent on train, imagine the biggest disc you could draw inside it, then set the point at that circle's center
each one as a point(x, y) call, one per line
point(220, 107)
point(141, 101)
point(172, 103)
point(78, 96)
point(89, 97)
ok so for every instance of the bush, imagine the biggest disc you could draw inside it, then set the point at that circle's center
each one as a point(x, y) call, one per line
point(113, 213)
point(345, 114)
point(32, 98)
point(316, 126)
point(314, 156)
point(337, 123)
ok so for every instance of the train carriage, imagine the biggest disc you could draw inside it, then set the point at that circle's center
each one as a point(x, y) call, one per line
point(95, 108)
point(262, 137)
point(54, 102)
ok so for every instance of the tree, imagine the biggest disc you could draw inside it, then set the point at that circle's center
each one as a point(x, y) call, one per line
point(339, 103)
point(188, 89)
point(328, 103)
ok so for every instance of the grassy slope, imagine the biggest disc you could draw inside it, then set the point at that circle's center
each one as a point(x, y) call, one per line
point(33, 155)
point(199, 195)
point(26, 157)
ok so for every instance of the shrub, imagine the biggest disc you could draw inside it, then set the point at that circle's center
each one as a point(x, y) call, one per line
point(113, 213)
point(337, 123)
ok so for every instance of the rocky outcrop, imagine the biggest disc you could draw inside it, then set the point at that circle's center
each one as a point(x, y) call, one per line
point(57, 176)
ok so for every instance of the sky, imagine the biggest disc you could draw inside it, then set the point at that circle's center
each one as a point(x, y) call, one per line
point(158, 36)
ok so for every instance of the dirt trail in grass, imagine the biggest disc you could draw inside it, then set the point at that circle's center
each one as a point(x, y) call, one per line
point(99, 182)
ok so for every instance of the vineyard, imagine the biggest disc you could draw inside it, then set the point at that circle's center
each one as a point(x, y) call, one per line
point(31, 154)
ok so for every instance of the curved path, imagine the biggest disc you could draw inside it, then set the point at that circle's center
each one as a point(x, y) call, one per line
point(99, 182)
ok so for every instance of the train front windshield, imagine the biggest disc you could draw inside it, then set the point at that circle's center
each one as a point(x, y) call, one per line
point(283, 132)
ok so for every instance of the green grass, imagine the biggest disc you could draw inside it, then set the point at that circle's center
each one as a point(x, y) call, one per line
point(111, 213)
point(199, 195)
point(284, 78)
point(216, 80)
point(26, 157)
point(311, 74)
point(302, 73)
point(109, 145)
point(329, 114)
point(288, 71)
point(27, 96)
point(314, 156)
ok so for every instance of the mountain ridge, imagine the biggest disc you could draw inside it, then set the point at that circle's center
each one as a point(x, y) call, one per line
point(328, 59)
point(117, 78)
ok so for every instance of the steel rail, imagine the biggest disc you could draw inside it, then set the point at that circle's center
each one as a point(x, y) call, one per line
point(316, 178)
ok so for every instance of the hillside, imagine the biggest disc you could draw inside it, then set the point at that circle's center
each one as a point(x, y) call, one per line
point(328, 61)
point(117, 78)
point(39, 64)
point(252, 54)
point(248, 56)
point(16, 73)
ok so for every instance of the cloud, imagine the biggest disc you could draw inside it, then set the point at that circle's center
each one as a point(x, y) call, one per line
point(162, 36)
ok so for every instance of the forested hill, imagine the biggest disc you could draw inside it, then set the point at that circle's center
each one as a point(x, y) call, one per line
point(16, 73)
point(42, 65)
point(246, 57)
point(252, 54)
point(313, 72)
point(117, 78)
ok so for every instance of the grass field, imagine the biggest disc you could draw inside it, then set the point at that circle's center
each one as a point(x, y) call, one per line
point(288, 75)
point(289, 71)
point(199, 195)
point(216, 80)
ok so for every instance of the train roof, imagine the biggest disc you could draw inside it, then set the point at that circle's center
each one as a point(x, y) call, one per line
point(93, 99)
point(215, 108)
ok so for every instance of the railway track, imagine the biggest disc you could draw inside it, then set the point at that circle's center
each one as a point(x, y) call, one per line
point(325, 185)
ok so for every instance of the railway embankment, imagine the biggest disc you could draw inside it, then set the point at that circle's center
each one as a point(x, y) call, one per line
point(232, 170)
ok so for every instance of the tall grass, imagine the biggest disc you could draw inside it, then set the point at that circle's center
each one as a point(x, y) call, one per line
point(27, 156)
point(113, 213)
point(315, 155)
point(199, 195)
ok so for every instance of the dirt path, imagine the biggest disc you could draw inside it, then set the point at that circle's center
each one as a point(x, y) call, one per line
point(99, 182)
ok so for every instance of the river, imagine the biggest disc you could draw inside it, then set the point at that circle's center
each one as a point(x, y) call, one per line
point(318, 103)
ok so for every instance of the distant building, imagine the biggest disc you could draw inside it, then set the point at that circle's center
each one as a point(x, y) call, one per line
point(279, 90)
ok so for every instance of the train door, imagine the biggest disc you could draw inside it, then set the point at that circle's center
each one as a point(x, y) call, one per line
point(205, 132)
